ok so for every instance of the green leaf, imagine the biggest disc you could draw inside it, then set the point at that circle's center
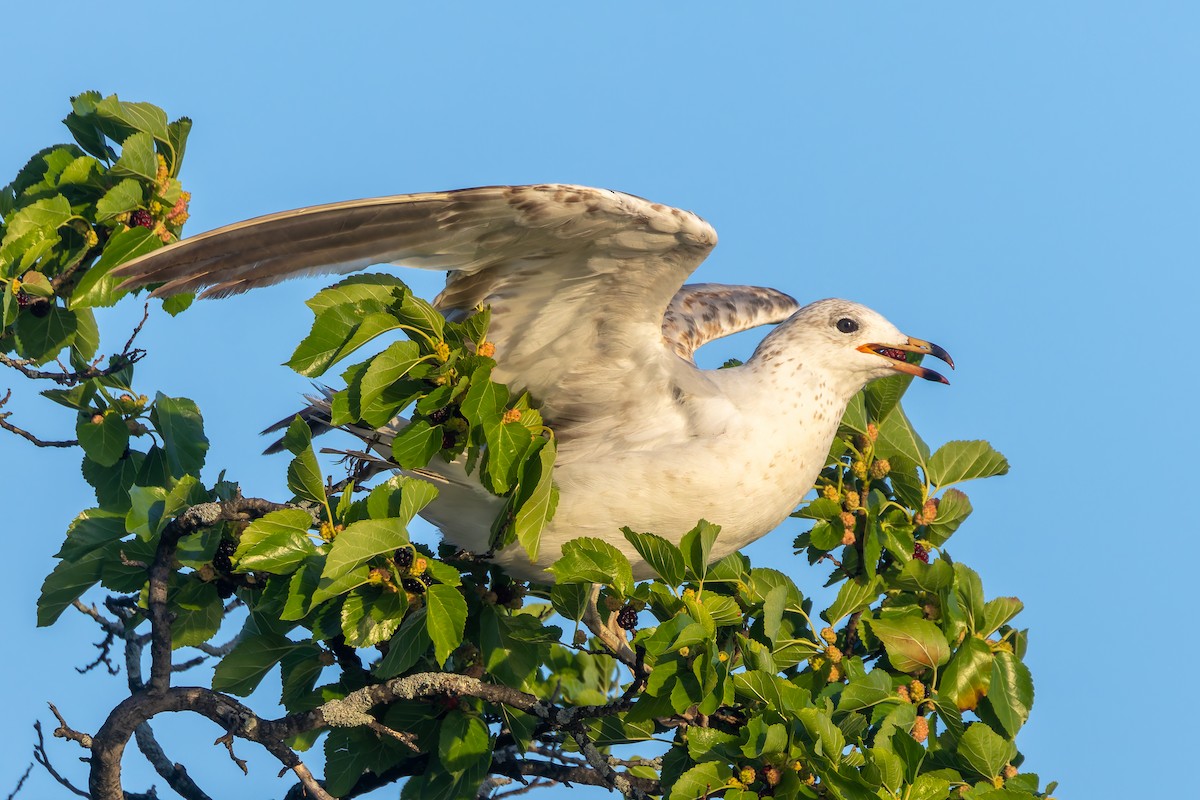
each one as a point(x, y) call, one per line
point(181, 427)
point(984, 751)
point(42, 338)
point(882, 395)
point(197, 613)
point(353, 547)
point(446, 617)
point(663, 557)
point(953, 509)
point(536, 498)
point(701, 781)
point(304, 477)
point(137, 158)
point(463, 740)
point(964, 461)
point(104, 442)
point(590, 560)
point(912, 644)
point(854, 595)
point(696, 547)
point(98, 287)
point(112, 483)
point(144, 117)
point(336, 333)
point(376, 290)
point(91, 529)
point(68, 581)
point(485, 400)
point(828, 737)
point(506, 442)
point(1010, 696)
point(46, 215)
point(125, 196)
point(568, 599)
point(387, 368)
point(416, 444)
point(968, 675)
point(407, 647)
point(277, 543)
point(249, 662)
point(998, 611)
point(371, 615)
point(898, 437)
point(873, 688)
point(917, 576)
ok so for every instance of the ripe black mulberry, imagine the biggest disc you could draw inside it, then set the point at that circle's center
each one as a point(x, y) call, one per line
point(628, 617)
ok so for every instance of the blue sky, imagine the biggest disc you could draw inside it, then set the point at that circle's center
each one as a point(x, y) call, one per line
point(1017, 182)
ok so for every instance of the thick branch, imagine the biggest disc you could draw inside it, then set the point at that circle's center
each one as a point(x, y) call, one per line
point(194, 519)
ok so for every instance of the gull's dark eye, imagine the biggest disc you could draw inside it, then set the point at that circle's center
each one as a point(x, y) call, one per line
point(847, 325)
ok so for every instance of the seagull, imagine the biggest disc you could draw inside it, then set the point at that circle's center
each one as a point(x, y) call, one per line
point(591, 316)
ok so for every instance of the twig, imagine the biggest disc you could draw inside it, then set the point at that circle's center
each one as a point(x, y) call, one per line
point(21, 782)
point(65, 731)
point(40, 756)
point(24, 434)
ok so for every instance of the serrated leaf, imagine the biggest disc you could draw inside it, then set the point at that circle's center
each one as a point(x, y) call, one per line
point(663, 557)
point(277, 543)
point(387, 368)
point(197, 612)
point(1010, 695)
point(854, 595)
point(336, 333)
point(912, 644)
point(997, 612)
point(42, 338)
point(354, 546)
point(696, 547)
point(570, 599)
point(963, 461)
point(249, 662)
point(463, 740)
point(536, 498)
point(68, 580)
point(870, 690)
point(98, 287)
point(953, 509)
point(416, 444)
point(125, 196)
point(985, 751)
point(445, 619)
point(701, 781)
point(178, 422)
point(407, 647)
point(104, 442)
point(881, 396)
point(590, 560)
point(371, 615)
point(376, 290)
point(304, 477)
point(137, 157)
point(966, 678)
point(898, 437)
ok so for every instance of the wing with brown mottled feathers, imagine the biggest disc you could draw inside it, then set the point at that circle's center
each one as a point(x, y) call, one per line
point(578, 279)
point(701, 312)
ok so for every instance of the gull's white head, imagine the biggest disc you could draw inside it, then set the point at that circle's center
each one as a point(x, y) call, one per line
point(849, 342)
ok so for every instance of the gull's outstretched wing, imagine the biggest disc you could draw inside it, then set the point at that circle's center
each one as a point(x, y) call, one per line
point(701, 312)
point(578, 279)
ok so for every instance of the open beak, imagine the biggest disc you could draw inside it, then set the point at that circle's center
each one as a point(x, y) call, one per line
point(897, 355)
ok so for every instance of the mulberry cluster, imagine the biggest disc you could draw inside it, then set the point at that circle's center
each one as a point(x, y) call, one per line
point(920, 553)
point(221, 559)
point(627, 618)
point(141, 218)
point(403, 558)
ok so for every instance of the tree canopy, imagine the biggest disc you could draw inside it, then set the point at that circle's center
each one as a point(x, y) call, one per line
point(407, 661)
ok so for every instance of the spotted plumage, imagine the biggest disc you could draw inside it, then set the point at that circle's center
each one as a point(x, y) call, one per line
point(590, 315)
